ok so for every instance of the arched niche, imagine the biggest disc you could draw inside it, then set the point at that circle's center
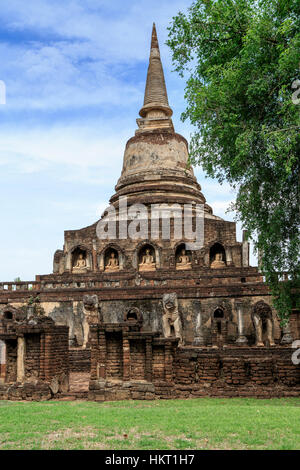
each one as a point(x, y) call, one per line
point(146, 258)
point(80, 260)
point(133, 315)
point(219, 326)
point(7, 315)
point(217, 256)
point(218, 314)
point(111, 260)
point(183, 257)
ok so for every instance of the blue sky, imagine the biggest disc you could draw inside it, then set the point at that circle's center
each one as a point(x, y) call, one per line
point(75, 75)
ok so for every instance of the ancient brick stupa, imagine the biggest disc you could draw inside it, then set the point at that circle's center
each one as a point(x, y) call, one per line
point(146, 305)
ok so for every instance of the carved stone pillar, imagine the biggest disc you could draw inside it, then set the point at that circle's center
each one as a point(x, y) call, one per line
point(157, 258)
point(21, 359)
point(287, 336)
point(228, 252)
point(199, 338)
point(101, 261)
point(2, 360)
point(102, 355)
point(69, 261)
point(121, 261)
point(89, 261)
point(94, 256)
point(245, 250)
point(241, 340)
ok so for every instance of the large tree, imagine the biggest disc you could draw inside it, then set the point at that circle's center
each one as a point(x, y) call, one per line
point(241, 62)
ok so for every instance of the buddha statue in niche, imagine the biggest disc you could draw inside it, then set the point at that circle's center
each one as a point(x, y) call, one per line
point(218, 261)
point(184, 261)
point(80, 266)
point(147, 263)
point(113, 263)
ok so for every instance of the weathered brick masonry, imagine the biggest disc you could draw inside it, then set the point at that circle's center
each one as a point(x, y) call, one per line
point(127, 363)
point(37, 356)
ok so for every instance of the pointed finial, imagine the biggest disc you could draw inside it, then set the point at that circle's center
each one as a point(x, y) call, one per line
point(156, 98)
point(154, 40)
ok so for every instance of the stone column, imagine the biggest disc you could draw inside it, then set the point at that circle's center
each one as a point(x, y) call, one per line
point(199, 339)
point(89, 260)
point(121, 261)
point(135, 260)
point(126, 356)
point(228, 252)
point(245, 250)
point(69, 261)
point(94, 256)
point(2, 360)
point(157, 258)
point(101, 262)
point(241, 340)
point(102, 355)
point(287, 336)
point(21, 359)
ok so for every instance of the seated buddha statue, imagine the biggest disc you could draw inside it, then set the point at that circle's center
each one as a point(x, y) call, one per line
point(184, 261)
point(218, 261)
point(147, 263)
point(80, 266)
point(113, 263)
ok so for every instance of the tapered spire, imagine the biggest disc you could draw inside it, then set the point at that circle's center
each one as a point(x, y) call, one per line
point(156, 104)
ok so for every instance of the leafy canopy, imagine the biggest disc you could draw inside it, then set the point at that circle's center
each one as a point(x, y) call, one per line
point(241, 58)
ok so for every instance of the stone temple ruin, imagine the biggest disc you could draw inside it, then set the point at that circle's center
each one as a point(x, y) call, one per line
point(149, 317)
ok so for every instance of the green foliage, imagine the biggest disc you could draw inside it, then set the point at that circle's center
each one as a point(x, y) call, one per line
point(31, 301)
point(241, 58)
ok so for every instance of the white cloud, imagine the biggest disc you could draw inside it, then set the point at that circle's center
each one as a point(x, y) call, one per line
point(50, 78)
point(80, 146)
point(117, 29)
point(220, 208)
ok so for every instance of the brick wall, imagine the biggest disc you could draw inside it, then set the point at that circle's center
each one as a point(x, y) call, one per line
point(57, 352)
point(195, 372)
point(80, 360)
point(138, 359)
point(114, 356)
point(46, 362)
point(32, 355)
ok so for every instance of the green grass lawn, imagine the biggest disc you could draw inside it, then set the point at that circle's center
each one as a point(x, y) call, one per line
point(205, 423)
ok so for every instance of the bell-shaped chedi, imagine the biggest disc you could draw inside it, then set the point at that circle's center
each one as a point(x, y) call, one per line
point(155, 165)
